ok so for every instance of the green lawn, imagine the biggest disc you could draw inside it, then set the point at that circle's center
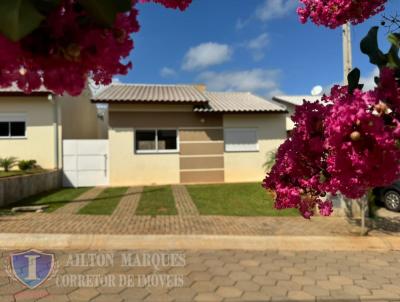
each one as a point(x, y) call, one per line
point(12, 173)
point(248, 199)
point(105, 203)
point(55, 199)
point(157, 201)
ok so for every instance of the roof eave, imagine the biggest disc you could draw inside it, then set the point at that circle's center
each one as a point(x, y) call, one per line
point(241, 111)
point(146, 102)
point(20, 93)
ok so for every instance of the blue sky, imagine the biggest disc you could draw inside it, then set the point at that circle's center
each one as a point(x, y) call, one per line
point(243, 45)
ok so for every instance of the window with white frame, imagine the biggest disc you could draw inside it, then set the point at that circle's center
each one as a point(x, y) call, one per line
point(156, 140)
point(241, 140)
point(12, 126)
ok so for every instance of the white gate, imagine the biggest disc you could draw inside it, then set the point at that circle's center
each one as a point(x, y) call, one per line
point(85, 163)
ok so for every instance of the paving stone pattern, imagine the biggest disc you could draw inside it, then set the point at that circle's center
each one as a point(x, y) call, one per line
point(183, 201)
point(128, 204)
point(233, 276)
point(124, 221)
point(81, 201)
point(131, 224)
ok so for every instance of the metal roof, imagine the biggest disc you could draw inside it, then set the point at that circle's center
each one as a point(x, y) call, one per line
point(150, 93)
point(239, 102)
point(296, 100)
point(14, 89)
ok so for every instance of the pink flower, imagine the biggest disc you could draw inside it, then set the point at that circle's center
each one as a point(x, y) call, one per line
point(64, 52)
point(345, 143)
point(325, 208)
point(333, 13)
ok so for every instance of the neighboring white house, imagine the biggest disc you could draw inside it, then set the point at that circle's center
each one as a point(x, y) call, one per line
point(33, 126)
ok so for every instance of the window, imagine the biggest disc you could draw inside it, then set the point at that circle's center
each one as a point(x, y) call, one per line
point(241, 140)
point(156, 141)
point(12, 125)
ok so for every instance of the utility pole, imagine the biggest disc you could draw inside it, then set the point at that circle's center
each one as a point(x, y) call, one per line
point(347, 67)
point(347, 54)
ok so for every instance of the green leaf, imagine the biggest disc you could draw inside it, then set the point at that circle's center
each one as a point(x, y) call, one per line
point(369, 46)
point(18, 18)
point(394, 39)
point(105, 11)
point(393, 54)
point(353, 79)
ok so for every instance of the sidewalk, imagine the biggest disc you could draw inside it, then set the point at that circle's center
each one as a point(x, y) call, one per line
point(64, 223)
point(231, 276)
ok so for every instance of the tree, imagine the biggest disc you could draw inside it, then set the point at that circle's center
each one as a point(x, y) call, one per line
point(59, 44)
point(349, 141)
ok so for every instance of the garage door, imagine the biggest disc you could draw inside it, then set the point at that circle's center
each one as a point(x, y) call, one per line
point(85, 163)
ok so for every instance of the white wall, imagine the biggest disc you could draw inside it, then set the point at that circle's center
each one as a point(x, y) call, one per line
point(128, 168)
point(248, 166)
point(40, 138)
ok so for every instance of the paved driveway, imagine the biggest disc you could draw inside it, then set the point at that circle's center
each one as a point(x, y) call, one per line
point(217, 276)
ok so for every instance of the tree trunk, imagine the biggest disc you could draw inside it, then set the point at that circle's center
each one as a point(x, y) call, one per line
point(363, 207)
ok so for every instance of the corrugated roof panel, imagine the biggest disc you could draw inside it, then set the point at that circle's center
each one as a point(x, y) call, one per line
point(240, 102)
point(296, 100)
point(14, 88)
point(150, 93)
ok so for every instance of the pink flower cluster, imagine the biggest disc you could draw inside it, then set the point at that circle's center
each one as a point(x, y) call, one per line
point(345, 143)
point(69, 47)
point(333, 13)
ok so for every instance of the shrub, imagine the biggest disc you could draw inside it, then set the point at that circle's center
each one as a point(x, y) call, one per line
point(25, 165)
point(271, 159)
point(8, 163)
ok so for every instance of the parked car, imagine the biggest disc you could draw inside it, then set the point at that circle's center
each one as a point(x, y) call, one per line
point(390, 196)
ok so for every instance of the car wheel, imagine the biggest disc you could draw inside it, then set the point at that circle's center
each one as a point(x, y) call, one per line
point(392, 200)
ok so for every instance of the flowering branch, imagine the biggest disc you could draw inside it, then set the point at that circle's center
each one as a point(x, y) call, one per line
point(349, 141)
point(59, 44)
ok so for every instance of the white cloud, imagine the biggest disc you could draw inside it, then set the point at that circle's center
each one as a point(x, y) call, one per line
point(268, 10)
point(262, 81)
point(257, 46)
point(272, 9)
point(369, 81)
point(240, 23)
point(167, 72)
point(205, 55)
point(95, 88)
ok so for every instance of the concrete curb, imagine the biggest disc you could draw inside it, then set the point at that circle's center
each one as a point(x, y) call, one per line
point(15, 241)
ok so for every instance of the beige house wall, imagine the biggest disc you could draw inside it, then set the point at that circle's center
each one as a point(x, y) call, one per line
point(248, 166)
point(39, 143)
point(79, 117)
point(128, 168)
point(289, 123)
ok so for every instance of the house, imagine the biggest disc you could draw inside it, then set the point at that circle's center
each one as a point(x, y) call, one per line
point(291, 101)
point(167, 134)
point(33, 126)
point(131, 134)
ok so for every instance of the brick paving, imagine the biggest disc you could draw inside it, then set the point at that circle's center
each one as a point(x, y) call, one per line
point(179, 225)
point(183, 201)
point(188, 222)
point(128, 204)
point(81, 201)
point(222, 276)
